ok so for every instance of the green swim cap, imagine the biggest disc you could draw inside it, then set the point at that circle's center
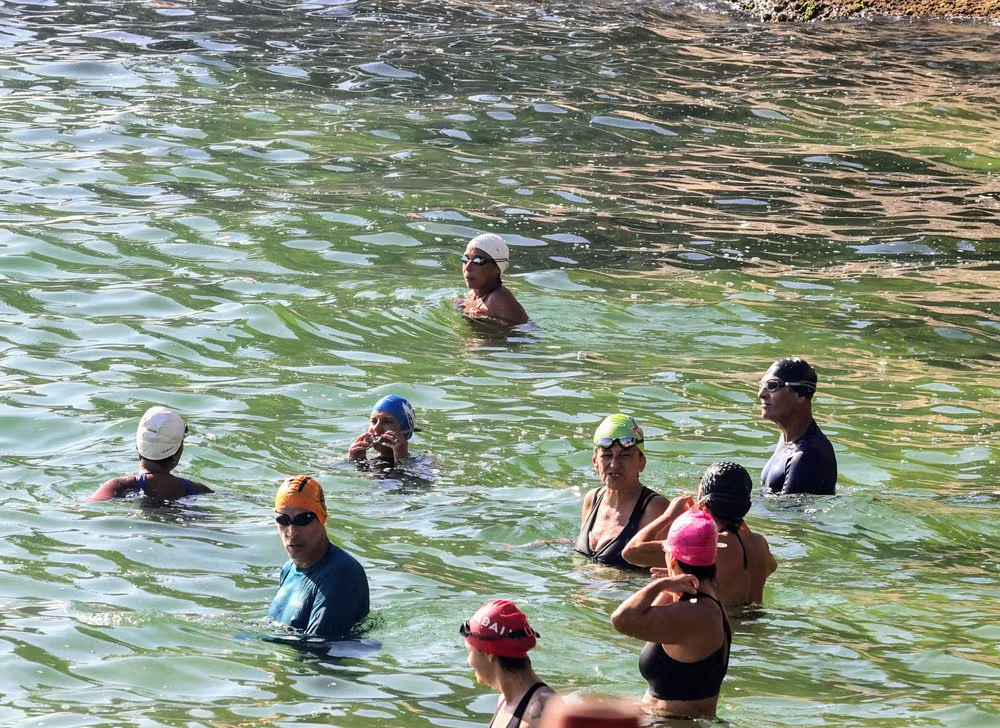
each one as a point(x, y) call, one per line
point(619, 427)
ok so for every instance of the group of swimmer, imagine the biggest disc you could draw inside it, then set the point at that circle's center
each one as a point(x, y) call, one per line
point(699, 550)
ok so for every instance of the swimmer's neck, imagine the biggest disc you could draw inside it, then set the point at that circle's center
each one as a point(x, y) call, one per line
point(513, 685)
point(796, 425)
point(622, 493)
point(481, 293)
point(153, 467)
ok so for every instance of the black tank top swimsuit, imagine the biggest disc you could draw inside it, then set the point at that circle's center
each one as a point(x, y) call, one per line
point(515, 719)
point(670, 679)
point(140, 483)
point(610, 554)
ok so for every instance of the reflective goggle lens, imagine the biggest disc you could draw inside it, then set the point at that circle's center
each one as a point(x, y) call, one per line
point(605, 443)
point(300, 519)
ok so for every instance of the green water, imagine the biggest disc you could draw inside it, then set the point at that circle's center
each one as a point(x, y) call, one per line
point(254, 214)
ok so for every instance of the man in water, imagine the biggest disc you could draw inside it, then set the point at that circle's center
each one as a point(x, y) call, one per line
point(390, 427)
point(486, 258)
point(323, 590)
point(159, 441)
point(803, 460)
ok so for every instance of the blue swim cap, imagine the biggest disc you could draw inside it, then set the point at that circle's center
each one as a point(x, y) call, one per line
point(401, 410)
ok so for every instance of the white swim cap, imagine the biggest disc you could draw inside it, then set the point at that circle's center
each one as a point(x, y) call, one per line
point(160, 434)
point(495, 247)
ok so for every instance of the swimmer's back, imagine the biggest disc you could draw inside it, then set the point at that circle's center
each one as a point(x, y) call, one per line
point(743, 568)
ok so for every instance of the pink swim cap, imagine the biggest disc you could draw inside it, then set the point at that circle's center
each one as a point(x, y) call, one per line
point(693, 538)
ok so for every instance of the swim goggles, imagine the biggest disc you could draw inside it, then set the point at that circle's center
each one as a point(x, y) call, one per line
point(481, 261)
point(515, 634)
point(606, 443)
point(773, 385)
point(299, 519)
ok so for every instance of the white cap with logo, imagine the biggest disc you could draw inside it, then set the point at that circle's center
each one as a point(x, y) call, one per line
point(160, 434)
point(495, 247)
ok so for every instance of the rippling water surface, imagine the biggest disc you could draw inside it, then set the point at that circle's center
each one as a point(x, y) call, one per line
point(254, 213)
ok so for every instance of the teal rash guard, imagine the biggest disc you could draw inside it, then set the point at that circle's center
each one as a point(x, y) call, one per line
point(328, 599)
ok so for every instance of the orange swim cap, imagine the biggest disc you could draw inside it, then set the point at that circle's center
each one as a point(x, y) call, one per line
point(302, 491)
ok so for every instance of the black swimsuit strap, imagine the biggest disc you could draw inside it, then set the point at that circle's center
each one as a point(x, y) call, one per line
point(515, 718)
point(523, 705)
point(736, 532)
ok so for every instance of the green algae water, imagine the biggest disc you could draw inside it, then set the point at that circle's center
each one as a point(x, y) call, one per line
point(254, 212)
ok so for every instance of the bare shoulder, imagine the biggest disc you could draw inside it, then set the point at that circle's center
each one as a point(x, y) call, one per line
point(502, 305)
point(114, 488)
point(540, 701)
point(761, 553)
point(200, 488)
point(655, 508)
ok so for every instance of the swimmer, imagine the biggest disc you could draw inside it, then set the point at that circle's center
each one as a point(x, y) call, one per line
point(160, 442)
point(803, 460)
point(486, 258)
point(390, 427)
point(615, 512)
point(497, 640)
point(684, 626)
point(746, 561)
point(322, 590)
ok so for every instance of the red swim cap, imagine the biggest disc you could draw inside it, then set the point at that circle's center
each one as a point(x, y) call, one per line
point(501, 629)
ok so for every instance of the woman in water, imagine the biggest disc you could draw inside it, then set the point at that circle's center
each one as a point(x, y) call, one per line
point(615, 512)
point(745, 562)
point(390, 426)
point(497, 640)
point(486, 258)
point(683, 623)
point(160, 442)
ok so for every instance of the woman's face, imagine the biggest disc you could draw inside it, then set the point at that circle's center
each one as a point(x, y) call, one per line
point(480, 277)
point(481, 665)
point(619, 467)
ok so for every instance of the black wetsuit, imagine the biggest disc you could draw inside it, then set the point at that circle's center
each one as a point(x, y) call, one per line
point(515, 719)
point(610, 554)
point(670, 679)
point(807, 465)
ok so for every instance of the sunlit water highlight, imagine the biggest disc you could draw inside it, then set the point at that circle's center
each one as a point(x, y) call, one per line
point(254, 212)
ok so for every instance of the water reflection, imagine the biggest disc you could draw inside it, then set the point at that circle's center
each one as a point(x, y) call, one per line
point(250, 211)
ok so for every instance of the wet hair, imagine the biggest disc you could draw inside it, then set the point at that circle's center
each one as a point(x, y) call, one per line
point(701, 573)
point(725, 493)
point(514, 664)
point(794, 369)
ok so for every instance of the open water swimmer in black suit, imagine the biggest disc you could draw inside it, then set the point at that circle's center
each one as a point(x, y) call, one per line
point(803, 460)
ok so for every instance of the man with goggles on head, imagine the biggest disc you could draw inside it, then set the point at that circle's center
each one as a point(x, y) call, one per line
point(803, 460)
point(486, 258)
point(615, 512)
point(323, 590)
